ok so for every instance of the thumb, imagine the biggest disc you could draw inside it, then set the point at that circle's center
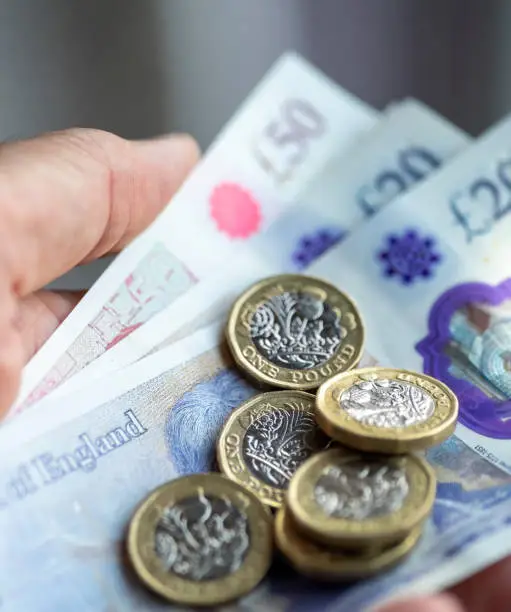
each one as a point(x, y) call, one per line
point(71, 196)
point(68, 197)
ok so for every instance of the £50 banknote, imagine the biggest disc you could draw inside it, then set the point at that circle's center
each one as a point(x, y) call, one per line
point(263, 159)
point(71, 477)
point(410, 143)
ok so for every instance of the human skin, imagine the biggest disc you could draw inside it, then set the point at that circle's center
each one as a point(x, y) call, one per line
point(70, 197)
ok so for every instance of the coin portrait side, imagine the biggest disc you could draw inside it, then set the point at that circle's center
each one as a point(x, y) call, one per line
point(386, 410)
point(266, 439)
point(219, 513)
point(349, 499)
point(293, 331)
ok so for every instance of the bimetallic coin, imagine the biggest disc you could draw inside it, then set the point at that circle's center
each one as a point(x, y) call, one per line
point(325, 563)
point(266, 439)
point(201, 540)
point(385, 410)
point(344, 498)
point(295, 332)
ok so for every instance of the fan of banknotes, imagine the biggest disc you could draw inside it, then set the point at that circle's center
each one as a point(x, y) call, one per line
point(300, 371)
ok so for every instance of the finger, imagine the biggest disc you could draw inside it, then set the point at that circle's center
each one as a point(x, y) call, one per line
point(11, 349)
point(70, 196)
point(435, 603)
point(39, 315)
point(487, 590)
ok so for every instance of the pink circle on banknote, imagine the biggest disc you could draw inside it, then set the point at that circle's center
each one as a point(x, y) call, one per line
point(234, 210)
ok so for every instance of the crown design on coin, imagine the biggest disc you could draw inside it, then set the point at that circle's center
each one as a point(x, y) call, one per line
point(297, 329)
point(278, 441)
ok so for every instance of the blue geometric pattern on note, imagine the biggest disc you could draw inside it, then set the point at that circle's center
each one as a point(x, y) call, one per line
point(195, 421)
point(311, 246)
point(409, 256)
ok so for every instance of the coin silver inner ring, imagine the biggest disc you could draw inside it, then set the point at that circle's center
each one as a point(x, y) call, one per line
point(386, 403)
point(361, 490)
point(278, 441)
point(296, 330)
point(203, 537)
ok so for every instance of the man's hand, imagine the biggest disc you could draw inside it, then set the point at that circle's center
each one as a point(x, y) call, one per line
point(67, 198)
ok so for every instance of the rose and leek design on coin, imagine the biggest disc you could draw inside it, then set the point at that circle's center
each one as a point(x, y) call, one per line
point(295, 331)
point(387, 410)
point(356, 500)
point(266, 439)
point(200, 548)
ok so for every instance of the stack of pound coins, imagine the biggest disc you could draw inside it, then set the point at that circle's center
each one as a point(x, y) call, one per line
point(349, 515)
point(352, 499)
point(329, 449)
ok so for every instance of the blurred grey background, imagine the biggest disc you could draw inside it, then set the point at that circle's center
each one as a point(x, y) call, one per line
point(144, 67)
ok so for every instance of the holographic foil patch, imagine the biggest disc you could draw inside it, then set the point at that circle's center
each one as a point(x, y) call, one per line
point(468, 347)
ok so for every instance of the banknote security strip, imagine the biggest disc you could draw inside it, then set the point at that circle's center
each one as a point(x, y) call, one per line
point(343, 513)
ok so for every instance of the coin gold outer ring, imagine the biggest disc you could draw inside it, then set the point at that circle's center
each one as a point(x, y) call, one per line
point(141, 546)
point(339, 425)
point(321, 562)
point(230, 443)
point(312, 521)
point(247, 356)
